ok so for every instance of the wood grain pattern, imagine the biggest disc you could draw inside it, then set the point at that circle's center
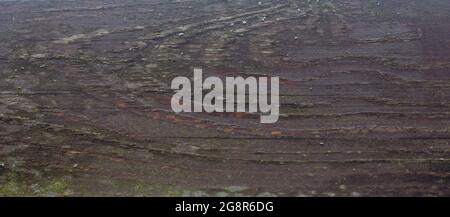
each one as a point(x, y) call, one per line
point(85, 98)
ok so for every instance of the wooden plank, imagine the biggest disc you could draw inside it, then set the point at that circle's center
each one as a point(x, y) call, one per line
point(85, 98)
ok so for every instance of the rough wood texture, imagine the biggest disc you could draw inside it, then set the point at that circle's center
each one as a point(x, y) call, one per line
point(85, 98)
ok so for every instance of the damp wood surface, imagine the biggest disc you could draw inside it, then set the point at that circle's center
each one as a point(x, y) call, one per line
point(364, 96)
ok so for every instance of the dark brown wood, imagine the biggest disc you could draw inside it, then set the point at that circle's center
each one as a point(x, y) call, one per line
point(85, 98)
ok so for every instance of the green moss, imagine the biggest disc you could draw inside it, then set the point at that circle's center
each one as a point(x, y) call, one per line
point(12, 187)
point(57, 187)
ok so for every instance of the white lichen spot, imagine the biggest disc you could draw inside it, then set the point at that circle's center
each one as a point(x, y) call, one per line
point(39, 55)
point(70, 39)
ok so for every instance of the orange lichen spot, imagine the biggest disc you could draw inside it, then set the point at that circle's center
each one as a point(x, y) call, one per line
point(277, 133)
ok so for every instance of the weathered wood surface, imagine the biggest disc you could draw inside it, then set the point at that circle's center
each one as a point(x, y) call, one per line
point(85, 97)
